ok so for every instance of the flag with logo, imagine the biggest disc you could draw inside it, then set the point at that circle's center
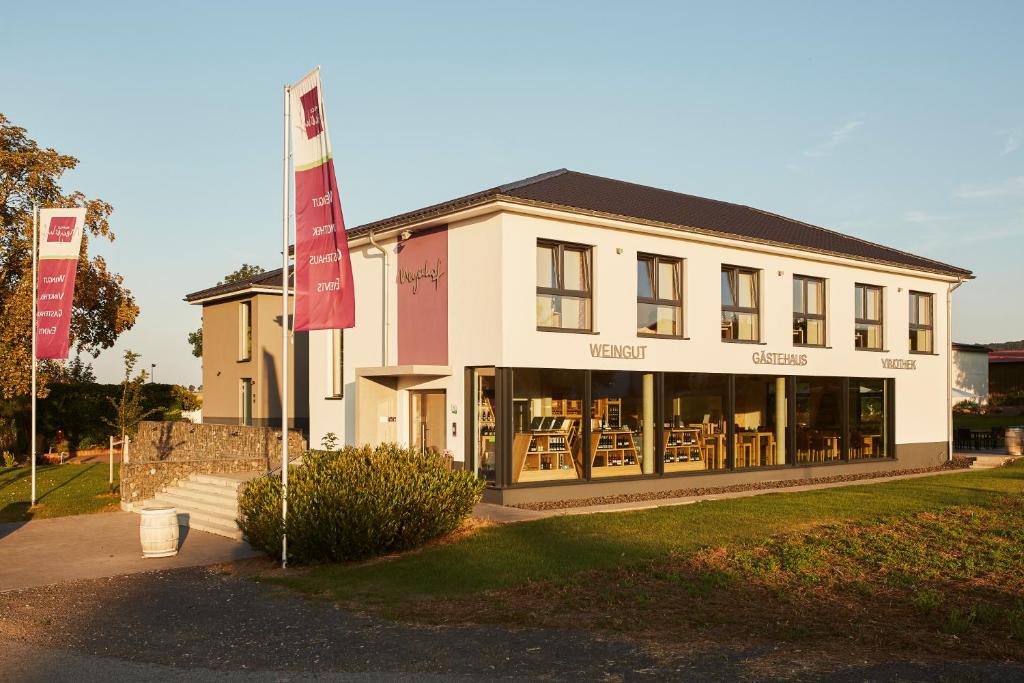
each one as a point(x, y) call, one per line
point(60, 241)
point(324, 297)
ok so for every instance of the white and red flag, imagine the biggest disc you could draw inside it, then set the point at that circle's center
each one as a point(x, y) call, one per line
point(324, 298)
point(60, 241)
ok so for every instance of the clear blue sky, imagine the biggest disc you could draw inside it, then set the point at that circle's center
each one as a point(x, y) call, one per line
point(898, 122)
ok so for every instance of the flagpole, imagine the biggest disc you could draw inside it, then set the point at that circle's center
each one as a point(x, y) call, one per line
point(284, 332)
point(35, 229)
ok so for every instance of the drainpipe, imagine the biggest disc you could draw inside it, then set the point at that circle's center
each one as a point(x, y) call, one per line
point(386, 327)
point(949, 363)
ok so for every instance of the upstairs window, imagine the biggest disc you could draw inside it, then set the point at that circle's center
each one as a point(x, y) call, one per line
point(564, 293)
point(922, 338)
point(808, 311)
point(740, 304)
point(245, 330)
point(868, 313)
point(659, 296)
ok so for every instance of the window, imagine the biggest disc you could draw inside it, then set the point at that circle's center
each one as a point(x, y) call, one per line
point(485, 422)
point(739, 304)
point(868, 323)
point(819, 419)
point(808, 311)
point(622, 424)
point(659, 296)
point(759, 421)
point(563, 287)
point(921, 337)
point(245, 330)
point(869, 419)
point(245, 402)
point(695, 419)
point(547, 420)
point(337, 363)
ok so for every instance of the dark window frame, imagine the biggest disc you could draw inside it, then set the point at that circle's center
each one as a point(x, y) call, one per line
point(677, 267)
point(804, 279)
point(734, 272)
point(860, 290)
point(587, 293)
point(914, 326)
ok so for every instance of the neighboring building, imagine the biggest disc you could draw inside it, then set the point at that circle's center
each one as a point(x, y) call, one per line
point(970, 373)
point(1006, 373)
point(242, 355)
point(569, 335)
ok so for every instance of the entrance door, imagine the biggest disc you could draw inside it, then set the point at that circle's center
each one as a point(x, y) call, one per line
point(428, 420)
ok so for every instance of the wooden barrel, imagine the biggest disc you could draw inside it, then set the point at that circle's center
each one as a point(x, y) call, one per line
point(158, 530)
point(1015, 440)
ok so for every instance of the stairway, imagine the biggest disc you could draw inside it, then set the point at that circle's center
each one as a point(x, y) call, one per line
point(206, 502)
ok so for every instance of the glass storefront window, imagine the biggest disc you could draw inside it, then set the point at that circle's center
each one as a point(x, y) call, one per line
point(485, 420)
point(547, 419)
point(819, 419)
point(693, 432)
point(622, 424)
point(869, 410)
point(760, 421)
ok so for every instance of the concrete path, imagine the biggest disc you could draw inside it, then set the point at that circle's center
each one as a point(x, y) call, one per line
point(48, 551)
point(502, 514)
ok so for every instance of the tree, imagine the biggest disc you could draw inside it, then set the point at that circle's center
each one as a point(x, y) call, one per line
point(128, 410)
point(103, 307)
point(245, 272)
point(196, 340)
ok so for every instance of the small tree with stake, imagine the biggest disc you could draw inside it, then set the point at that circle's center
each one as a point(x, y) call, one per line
point(128, 409)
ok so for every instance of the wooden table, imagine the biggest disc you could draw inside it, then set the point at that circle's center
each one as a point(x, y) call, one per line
point(755, 439)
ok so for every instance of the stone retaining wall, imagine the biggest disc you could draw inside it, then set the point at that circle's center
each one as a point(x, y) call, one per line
point(163, 453)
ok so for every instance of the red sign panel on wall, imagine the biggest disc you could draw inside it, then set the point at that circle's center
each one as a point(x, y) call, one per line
point(423, 298)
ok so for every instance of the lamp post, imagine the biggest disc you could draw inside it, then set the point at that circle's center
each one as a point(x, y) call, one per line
point(152, 373)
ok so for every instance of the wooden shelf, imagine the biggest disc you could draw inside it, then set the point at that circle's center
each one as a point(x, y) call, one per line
point(551, 457)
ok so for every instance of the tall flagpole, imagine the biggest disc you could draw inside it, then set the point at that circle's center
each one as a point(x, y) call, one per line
point(35, 213)
point(284, 331)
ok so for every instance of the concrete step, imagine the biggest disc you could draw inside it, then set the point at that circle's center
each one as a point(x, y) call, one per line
point(194, 496)
point(174, 497)
point(211, 489)
point(213, 517)
point(231, 481)
point(220, 529)
point(194, 519)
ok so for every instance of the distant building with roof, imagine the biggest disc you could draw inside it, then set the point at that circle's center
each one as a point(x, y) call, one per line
point(1006, 372)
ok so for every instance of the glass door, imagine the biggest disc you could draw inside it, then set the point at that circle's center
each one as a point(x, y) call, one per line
point(427, 426)
point(246, 401)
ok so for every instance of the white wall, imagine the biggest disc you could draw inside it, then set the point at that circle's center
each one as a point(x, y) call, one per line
point(970, 375)
point(492, 319)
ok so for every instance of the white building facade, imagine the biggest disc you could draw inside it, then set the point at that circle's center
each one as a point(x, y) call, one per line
point(570, 336)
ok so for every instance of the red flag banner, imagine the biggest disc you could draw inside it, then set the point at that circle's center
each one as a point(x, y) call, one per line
point(324, 297)
point(60, 240)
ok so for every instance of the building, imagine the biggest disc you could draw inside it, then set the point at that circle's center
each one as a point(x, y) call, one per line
point(970, 373)
point(242, 355)
point(1006, 375)
point(569, 335)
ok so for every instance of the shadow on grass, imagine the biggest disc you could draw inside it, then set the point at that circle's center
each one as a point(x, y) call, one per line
point(82, 472)
point(13, 516)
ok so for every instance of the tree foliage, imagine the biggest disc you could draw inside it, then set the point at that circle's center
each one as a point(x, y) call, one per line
point(103, 307)
point(195, 340)
point(244, 272)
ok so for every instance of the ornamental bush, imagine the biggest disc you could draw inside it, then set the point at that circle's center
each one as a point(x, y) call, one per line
point(357, 503)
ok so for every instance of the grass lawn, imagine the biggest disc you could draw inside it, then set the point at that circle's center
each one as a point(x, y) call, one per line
point(60, 490)
point(987, 421)
point(886, 565)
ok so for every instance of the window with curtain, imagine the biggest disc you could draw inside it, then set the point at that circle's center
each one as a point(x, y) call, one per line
point(868, 314)
point(564, 293)
point(808, 311)
point(922, 339)
point(659, 296)
point(740, 304)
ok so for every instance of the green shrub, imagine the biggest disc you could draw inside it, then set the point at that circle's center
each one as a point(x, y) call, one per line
point(8, 459)
point(359, 502)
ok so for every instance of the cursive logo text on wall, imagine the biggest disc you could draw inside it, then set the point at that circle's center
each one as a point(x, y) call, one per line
point(767, 358)
point(425, 272)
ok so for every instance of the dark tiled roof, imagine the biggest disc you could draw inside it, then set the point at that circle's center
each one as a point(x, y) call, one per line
point(978, 348)
point(616, 198)
point(270, 279)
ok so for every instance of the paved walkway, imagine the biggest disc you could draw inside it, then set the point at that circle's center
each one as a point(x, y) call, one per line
point(504, 515)
point(48, 551)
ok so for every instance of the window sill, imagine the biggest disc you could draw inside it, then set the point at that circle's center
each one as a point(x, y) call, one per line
point(244, 360)
point(745, 341)
point(861, 348)
point(563, 330)
point(662, 336)
point(811, 346)
point(334, 398)
point(922, 353)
